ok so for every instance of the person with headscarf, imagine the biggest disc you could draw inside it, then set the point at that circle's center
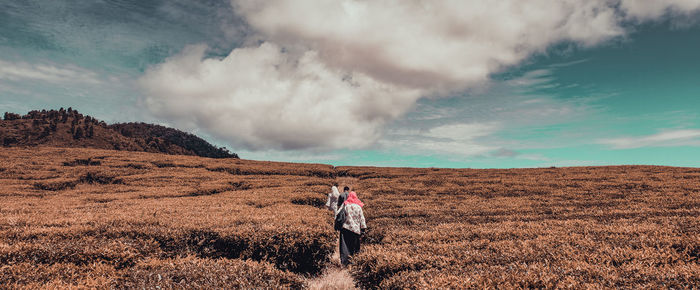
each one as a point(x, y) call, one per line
point(343, 196)
point(332, 202)
point(353, 227)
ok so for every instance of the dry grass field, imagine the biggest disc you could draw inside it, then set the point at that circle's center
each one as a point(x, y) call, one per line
point(101, 218)
point(88, 217)
point(634, 227)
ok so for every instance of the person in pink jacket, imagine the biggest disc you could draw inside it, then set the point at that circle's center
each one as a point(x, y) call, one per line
point(353, 227)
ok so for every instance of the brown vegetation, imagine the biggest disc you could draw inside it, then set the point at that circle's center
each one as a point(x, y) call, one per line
point(620, 226)
point(125, 221)
point(102, 218)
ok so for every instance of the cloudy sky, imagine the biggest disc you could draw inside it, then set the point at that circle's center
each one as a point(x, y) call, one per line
point(463, 83)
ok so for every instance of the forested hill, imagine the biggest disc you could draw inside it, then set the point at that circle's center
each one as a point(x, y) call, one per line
point(69, 128)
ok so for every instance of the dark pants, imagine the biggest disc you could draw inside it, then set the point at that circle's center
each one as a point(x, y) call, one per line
point(349, 245)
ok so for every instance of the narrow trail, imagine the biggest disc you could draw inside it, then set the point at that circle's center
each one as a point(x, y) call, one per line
point(335, 276)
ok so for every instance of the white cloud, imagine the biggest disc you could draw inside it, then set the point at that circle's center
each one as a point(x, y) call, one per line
point(265, 98)
point(19, 71)
point(331, 74)
point(452, 139)
point(642, 10)
point(461, 131)
point(293, 156)
point(672, 138)
point(441, 45)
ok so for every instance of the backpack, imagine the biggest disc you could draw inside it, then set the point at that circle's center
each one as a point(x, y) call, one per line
point(340, 219)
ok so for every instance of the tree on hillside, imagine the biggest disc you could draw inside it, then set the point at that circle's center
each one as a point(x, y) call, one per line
point(43, 125)
point(7, 141)
point(46, 132)
point(78, 133)
point(11, 116)
point(172, 136)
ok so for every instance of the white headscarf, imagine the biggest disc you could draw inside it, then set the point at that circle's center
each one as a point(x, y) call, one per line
point(335, 191)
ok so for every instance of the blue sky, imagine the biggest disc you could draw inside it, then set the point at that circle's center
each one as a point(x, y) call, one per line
point(413, 91)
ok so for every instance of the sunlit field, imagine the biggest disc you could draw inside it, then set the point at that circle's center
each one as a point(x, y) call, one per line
point(620, 226)
point(109, 218)
point(102, 218)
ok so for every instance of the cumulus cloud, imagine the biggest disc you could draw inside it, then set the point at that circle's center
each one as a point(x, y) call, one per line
point(671, 138)
point(265, 98)
point(331, 74)
point(445, 44)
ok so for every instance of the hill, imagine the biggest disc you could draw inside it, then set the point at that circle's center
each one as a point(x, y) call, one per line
point(69, 128)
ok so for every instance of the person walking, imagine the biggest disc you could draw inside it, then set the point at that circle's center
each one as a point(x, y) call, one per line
point(353, 227)
point(343, 196)
point(332, 202)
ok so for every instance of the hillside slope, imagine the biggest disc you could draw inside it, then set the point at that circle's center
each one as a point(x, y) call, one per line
point(69, 128)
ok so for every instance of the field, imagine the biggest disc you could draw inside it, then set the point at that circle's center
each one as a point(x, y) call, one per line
point(101, 218)
point(607, 227)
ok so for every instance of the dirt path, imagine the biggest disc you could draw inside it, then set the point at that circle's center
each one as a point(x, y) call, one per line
point(334, 276)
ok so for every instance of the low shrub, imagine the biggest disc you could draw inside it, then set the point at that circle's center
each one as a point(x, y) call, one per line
point(55, 185)
point(192, 272)
point(30, 275)
point(86, 162)
point(99, 178)
point(310, 199)
point(160, 164)
point(210, 190)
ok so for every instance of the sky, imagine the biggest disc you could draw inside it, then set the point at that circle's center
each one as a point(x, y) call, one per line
point(465, 84)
